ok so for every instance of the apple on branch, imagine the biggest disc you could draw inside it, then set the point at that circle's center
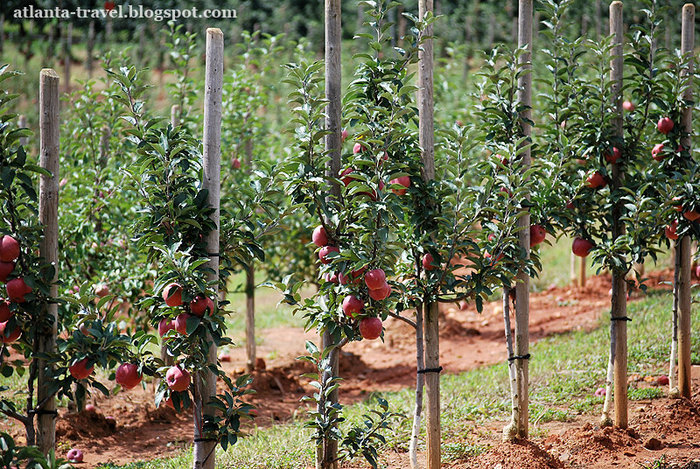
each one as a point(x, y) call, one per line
point(370, 328)
point(128, 376)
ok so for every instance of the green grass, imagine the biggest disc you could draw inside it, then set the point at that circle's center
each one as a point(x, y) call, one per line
point(565, 370)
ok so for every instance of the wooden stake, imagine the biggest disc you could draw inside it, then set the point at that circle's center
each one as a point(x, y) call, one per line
point(250, 346)
point(684, 281)
point(619, 286)
point(522, 287)
point(204, 454)
point(420, 384)
point(426, 134)
point(510, 430)
point(333, 34)
point(582, 272)
point(48, 248)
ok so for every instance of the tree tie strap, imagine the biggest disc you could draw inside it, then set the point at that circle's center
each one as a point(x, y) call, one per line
point(197, 440)
point(42, 412)
point(213, 254)
point(622, 318)
point(430, 370)
point(519, 357)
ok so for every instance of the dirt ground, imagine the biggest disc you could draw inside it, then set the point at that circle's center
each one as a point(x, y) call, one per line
point(127, 427)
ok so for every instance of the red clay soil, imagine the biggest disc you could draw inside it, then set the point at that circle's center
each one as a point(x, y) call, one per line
point(137, 431)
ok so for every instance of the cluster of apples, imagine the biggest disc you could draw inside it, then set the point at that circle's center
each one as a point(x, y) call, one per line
point(690, 215)
point(172, 295)
point(346, 176)
point(16, 288)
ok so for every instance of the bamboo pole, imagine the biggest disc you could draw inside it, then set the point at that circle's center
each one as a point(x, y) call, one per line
point(333, 34)
point(426, 135)
point(204, 451)
point(687, 45)
point(250, 347)
point(522, 287)
point(619, 287)
point(48, 248)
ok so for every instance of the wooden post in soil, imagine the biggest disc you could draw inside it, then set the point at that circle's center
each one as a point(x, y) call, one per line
point(250, 348)
point(333, 33)
point(426, 135)
point(204, 451)
point(48, 248)
point(619, 286)
point(519, 427)
point(684, 277)
point(582, 273)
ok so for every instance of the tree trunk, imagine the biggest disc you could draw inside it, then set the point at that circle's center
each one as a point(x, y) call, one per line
point(204, 451)
point(250, 346)
point(48, 248)
point(673, 388)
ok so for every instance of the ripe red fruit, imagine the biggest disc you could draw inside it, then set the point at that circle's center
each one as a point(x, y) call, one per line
point(344, 134)
point(404, 181)
point(90, 408)
point(180, 323)
point(11, 335)
point(665, 125)
point(325, 252)
point(375, 279)
point(75, 455)
point(628, 106)
point(697, 271)
point(177, 379)
point(172, 294)
point(16, 289)
point(662, 380)
point(352, 305)
point(5, 312)
point(382, 293)
point(9, 248)
point(319, 236)
point(657, 152)
point(236, 163)
point(596, 180)
point(570, 205)
point(581, 247)
point(537, 235)
point(427, 261)
point(6, 269)
point(79, 369)
point(128, 375)
point(164, 326)
point(371, 328)
point(671, 230)
point(101, 290)
point(357, 148)
point(614, 156)
point(331, 277)
point(677, 203)
point(691, 215)
point(200, 304)
point(347, 179)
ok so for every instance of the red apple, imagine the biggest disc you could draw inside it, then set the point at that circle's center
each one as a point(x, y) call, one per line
point(200, 304)
point(614, 156)
point(404, 181)
point(165, 325)
point(344, 134)
point(5, 313)
point(570, 205)
point(628, 106)
point(382, 293)
point(128, 375)
point(371, 328)
point(346, 180)
point(537, 235)
point(697, 271)
point(375, 279)
point(225, 357)
point(177, 379)
point(427, 261)
point(677, 203)
point(6, 336)
point(357, 148)
point(581, 247)
point(331, 277)
point(662, 380)
point(172, 295)
point(16, 289)
point(236, 163)
point(325, 252)
point(101, 290)
point(352, 305)
point(9, 248)
point(665, 125)
point(671, 230)
point(691, 215)
point(75, 455)
point(181, 323)
point(90, 408)
point(6, 269)
point(657, 152)
point(79, 369)
point(596, 180)
point(319, 236)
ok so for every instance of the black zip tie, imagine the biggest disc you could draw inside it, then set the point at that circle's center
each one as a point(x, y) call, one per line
point(213, 254)
point(42, 412)
point(519, 357)
point(197, 440)
point(430, 370)
point(623, 318)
